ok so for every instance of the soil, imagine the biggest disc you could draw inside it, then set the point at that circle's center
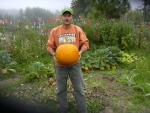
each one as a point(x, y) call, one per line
point(113, 97)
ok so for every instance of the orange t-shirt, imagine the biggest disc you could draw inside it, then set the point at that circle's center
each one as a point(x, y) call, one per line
point(73, 35)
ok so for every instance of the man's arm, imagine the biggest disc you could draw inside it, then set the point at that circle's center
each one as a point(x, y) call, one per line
point(50, 44)
point(50, 51)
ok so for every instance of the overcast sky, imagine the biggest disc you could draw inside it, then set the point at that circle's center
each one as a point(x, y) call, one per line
point(51, 5)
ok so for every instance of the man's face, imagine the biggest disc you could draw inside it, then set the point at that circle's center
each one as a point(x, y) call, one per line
point(67, 18)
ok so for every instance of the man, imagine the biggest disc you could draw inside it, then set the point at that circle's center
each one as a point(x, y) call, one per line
point(77, 37)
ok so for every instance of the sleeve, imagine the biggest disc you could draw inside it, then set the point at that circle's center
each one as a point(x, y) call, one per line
point(51, 41)
point(83, 41)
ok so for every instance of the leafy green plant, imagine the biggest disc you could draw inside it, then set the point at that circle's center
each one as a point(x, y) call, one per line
point(106, 57)
point(38, 70)
point(94, 106)
point(30, 44)
point(5, 59)
point(6, 62)
point(112, 33)
point(142, 33)
point(127, 79)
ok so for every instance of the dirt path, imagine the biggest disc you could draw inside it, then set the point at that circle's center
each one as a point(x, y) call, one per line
point(10, 81)
point(113, 97)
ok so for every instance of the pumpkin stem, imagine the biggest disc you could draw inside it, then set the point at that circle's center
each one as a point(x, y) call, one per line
point(66, 40)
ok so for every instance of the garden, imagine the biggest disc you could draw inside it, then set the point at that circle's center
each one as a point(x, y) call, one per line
point(116, 68)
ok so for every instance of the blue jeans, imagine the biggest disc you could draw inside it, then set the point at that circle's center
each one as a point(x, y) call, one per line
point(74, 72)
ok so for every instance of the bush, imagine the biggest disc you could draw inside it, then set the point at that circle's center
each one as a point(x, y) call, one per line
point(30, 44)
point(112, 33)
point(6, 62)
point(102, 58)
point(39, 71)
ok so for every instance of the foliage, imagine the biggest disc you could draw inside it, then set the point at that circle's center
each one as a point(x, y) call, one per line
point(142, 34)
point(6, 62)
point(28, 13)
point(137, 77)
point(111, 8)
point(94, 106)
point(30, 44)
point(34, 13)
point(146, 10)
point(80, 7)
point(128, 59)
point(5, 59)
point(39, 71)
point(141, 29)
point(135, 16)
point(112, 33)
point(102, 59)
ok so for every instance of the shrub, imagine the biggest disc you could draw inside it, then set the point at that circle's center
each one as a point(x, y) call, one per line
point(30, 44)
point(105, 58)
point(39, 71)
point(112, 33)
point(6, 62)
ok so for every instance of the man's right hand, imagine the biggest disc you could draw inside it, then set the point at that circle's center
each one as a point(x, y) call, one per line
point(54, 57)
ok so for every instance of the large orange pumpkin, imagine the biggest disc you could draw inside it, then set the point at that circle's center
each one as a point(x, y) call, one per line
point(67, 54)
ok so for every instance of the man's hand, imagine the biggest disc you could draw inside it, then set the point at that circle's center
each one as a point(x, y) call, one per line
point(80, 55)
point(54, 57)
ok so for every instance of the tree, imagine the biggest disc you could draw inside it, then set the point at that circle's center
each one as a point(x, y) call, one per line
point(111, 8)
point(146, 10)
point(80, 7)
point(1, 16)
point(21, 15)
point(34, 13)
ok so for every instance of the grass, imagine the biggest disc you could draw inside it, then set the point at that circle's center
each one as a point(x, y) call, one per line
point(40, 94)
point(103, 92)
point(137, 75)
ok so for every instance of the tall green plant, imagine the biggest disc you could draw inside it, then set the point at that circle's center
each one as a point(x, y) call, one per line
point(106, 58)
point(112, 33)
point(6, 62)
point(29, 45)
point(40, 71)
point(142, 36)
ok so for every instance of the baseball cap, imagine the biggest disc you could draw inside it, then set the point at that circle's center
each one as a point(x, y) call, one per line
point(67, 10)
